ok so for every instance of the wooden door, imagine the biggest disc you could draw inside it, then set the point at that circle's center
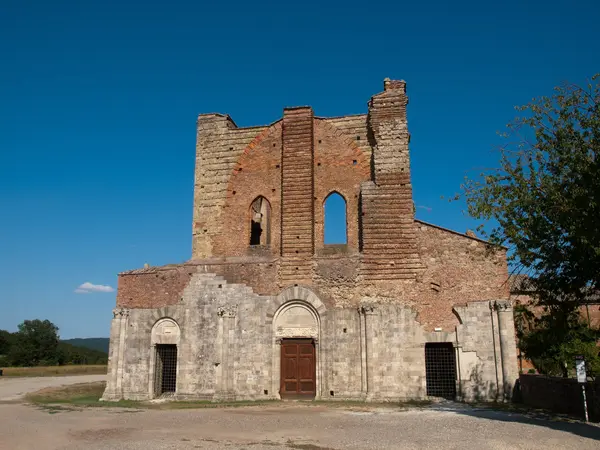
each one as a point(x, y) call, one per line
point(298, 372)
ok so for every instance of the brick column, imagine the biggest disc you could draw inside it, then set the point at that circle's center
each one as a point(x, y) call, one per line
point(297, 199)
point(388, 230)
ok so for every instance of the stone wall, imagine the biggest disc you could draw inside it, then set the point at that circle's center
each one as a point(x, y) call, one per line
point(228, 348)
point(456, 269)
point(396, 285)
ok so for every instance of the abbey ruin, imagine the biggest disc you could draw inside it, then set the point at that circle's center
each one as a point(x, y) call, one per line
point(265, 309)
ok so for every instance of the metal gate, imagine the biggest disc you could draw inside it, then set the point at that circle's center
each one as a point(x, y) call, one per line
point(440, 370)
point(165, 370)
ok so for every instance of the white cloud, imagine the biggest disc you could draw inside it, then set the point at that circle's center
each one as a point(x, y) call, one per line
point(81, 291)
point(88, 288)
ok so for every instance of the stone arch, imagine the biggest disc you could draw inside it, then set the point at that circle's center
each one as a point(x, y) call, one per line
point(165, 332)
point(298, 293)
point(166, 312)
point(296, 319)
point(297, 314)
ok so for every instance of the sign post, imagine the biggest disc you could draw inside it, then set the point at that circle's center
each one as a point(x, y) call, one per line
point(582, 378)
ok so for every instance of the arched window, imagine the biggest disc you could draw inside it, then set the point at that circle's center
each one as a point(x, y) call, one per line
point(335, 219)
point(260, 222)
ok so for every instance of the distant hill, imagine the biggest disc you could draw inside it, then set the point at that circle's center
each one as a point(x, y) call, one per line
point(100, 344)
point(81, 355)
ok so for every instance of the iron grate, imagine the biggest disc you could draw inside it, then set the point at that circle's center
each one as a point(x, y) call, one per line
point(440, 370)
point(166, 369)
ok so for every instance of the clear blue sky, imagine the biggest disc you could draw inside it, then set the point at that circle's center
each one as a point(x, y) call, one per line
point(98, 103)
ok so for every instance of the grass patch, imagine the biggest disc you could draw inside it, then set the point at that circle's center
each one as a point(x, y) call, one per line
point(88, 395)
point(83, 394)
point(53, 371)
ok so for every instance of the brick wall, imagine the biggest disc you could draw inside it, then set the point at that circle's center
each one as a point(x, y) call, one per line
point(457, 269)
point(219, 144)
point(257, 172)
point(341, 165)
point(295, 163)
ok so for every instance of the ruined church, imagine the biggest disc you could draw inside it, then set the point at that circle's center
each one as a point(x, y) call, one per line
point(265, 309)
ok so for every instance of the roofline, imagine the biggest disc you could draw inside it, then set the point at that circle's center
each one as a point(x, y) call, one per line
point(342, 117)
point(475, 238)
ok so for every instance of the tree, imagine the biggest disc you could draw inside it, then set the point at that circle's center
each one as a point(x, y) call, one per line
point(545, 194)
point(6, 339)
point(36, 343)
point(555, 338)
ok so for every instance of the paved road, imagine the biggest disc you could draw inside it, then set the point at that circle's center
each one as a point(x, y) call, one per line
point(277, 426)
point(15, 388)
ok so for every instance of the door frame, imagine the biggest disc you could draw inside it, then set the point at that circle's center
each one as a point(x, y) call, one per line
point(290, 297)
point(302, 340)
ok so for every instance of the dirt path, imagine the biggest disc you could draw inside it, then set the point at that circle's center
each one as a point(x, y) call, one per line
point(291, 426)
point(285, 426)
point(16, 388)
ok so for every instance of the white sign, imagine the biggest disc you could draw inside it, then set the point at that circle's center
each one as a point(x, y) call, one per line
point(580, 368)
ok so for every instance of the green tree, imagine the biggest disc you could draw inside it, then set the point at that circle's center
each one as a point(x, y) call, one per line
point(556, 337)
point(545, 194)
point(6, 339)
point(36, 343)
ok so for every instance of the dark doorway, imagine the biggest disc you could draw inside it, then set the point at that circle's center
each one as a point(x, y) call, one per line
point(165, 370)
point(298, 371)
point(440, 370)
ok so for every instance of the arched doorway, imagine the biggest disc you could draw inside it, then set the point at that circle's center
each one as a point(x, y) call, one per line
point(164, 358)
point(296, 329)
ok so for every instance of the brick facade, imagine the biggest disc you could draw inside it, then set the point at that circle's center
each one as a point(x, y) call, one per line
point(414, 282)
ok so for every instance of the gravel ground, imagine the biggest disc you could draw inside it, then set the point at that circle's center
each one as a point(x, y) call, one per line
point(15, 388)
point(287, 425)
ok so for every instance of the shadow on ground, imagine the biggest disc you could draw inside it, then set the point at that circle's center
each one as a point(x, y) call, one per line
point(530, 417)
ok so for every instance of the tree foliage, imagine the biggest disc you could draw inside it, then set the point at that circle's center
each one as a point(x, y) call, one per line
point(552, 340)
point(6, 339)
point(545, 194)
point(36, 343)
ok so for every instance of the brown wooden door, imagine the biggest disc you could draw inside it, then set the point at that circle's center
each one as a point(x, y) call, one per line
point(298, 374)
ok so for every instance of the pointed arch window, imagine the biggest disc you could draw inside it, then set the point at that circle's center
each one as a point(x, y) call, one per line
point(335, 226)
point(260, 222)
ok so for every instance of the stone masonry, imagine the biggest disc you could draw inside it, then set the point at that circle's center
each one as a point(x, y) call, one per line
point(370, 308)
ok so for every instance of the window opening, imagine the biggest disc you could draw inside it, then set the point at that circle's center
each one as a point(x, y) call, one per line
point(335, 219)
point(260, 222)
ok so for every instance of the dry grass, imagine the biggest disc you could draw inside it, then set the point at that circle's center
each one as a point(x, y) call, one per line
point(53, 371)
point(76, 393)
point(88, 395)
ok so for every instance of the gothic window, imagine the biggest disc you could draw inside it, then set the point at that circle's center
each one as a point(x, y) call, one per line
point(260, 222)
point(334, 211)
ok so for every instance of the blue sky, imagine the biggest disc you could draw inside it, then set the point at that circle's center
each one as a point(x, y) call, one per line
point(98, 102)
